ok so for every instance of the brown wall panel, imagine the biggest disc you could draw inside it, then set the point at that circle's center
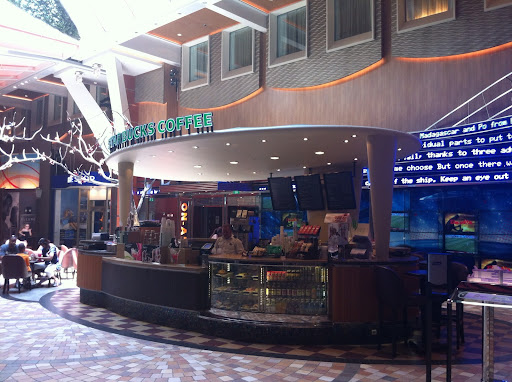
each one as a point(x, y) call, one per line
point(401, 94)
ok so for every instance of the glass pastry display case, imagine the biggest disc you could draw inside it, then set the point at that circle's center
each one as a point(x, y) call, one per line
point(284, 289)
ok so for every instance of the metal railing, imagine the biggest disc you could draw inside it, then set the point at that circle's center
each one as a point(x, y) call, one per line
point(486, 104)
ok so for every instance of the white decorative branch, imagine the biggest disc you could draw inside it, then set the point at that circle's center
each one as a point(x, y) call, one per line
point(12, 138)
point(77, 145)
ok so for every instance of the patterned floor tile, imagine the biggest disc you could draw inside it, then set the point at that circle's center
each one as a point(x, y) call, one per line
point(93, 344)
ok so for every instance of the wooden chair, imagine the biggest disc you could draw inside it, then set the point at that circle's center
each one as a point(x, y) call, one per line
point(14, 267)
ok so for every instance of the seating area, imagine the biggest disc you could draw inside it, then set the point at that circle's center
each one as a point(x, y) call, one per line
point(396, 302)
point(13, 267)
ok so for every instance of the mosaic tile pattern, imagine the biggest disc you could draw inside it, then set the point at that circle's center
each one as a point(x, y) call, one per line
point(58, 338)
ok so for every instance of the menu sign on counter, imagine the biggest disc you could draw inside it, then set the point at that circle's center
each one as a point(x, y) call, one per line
point(475, 153)
point(309, 192)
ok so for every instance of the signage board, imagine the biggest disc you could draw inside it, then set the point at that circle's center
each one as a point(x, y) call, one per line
point(474, 153)
point(200, 123)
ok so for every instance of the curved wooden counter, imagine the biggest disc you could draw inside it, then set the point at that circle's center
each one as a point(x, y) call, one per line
point(352, 290)
point(90, 263)
point(169, 285)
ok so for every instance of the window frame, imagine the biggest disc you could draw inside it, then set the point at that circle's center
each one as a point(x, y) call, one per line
point(438, 18)
point(227, 74)
point(273, 60)
point(490, 5)
point(186, 84)
point(332, 45)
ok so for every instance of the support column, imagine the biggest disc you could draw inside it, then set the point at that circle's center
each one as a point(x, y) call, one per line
point(381, 160)
point(125, 170)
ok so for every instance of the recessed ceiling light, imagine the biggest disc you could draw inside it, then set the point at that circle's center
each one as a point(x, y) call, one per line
point(329, 163)
point(263, 140)
point(171, 151)
point(197, 166)
point(319, 153)
point(346, 141)
point(35, 77)
point(278, 169)
point(354, 135)
point(199, 173)
point(305, 139)
point(153, 156)
point(137, 161)
point(303, 166)
point(274, 158)
point(233, 162)
point(227, 173)
point(254, 172)
point(15, 87)
point(399, 149)
point(355, 158)
point(179, 34)
point(195, 147)
point(228, 144)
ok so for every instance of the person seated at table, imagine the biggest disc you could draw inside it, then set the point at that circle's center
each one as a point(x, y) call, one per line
point(26, 257)
point(227, 244)
point(9, 248)
point(50, 255)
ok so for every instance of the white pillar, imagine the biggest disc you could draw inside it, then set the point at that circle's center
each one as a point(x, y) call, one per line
point(381, 160)
point(125, 170)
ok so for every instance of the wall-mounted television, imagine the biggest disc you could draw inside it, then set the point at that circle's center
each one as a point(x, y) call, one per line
point(460, 243)
point(339, 191)
point(281, 194)
point(457, 223)
point(309, 192)
point(399, 221)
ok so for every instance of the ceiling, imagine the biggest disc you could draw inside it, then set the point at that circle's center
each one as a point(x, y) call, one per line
point(143, 38)
point(245, 153)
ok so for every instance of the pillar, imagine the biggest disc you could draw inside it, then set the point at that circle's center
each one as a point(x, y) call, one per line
point(125, 170)
point(381, 160)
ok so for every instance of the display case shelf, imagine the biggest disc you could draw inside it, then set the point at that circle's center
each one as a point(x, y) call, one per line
point(269, 288)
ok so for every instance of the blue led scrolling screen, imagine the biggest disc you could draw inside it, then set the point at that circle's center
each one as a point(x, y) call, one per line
point(475, 153)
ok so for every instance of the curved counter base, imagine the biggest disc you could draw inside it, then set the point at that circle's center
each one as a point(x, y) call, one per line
point(177, 297)
point(234, 329)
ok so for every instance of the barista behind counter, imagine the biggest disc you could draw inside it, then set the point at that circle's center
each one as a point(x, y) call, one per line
point(227, 244)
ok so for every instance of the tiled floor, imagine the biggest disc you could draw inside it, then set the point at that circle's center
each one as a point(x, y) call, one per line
point(47, 335)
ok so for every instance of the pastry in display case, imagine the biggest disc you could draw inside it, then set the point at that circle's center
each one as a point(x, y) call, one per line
point(279, 289)
point(235, 287)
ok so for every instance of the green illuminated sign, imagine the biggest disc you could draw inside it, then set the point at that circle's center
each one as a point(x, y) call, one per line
point(195, 121)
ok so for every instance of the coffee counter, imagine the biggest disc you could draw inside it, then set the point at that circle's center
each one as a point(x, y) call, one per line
point(342, 295)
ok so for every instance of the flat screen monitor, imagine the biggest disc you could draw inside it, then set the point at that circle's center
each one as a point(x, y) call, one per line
point(460, 243)
point(339, 191)
point(399, 221)
point(309, 193)
point(457, 223)
point(281, 194)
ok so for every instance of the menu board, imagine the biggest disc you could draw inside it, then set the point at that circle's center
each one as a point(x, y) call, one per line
point(309, 192)
point(281, 194)
point(339, 191)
